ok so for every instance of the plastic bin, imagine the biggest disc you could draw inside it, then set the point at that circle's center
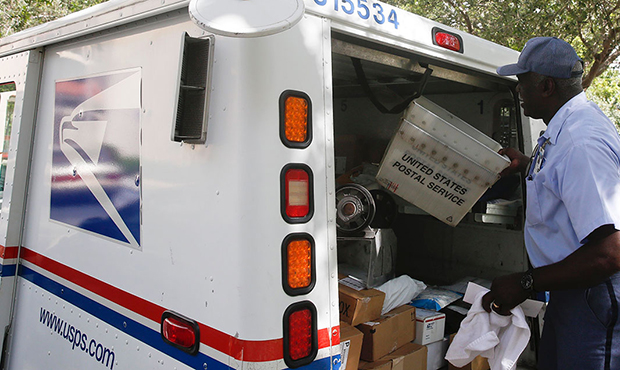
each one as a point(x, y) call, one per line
point(434, 164)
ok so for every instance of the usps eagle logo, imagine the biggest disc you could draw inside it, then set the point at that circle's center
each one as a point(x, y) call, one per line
point(96, 155)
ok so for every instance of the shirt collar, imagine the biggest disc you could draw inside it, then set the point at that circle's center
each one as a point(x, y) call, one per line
point(557, 122)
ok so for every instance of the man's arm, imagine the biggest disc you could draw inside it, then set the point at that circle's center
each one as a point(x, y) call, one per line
point(518, 161)
point(589, 265)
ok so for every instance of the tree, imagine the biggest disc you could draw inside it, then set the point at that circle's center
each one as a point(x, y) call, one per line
point(17, 15)
point(605, 92)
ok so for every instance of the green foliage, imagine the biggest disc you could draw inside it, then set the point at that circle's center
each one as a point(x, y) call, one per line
point(17, 15)
point(7, 87)
point(605, 91)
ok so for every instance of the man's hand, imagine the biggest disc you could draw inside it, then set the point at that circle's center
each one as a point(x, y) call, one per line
point(506, 293)
point(518, 161)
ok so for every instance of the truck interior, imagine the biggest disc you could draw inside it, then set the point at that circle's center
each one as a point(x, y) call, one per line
point(402, 239)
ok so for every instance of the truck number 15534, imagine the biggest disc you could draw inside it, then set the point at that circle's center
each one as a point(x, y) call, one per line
point(364, 10)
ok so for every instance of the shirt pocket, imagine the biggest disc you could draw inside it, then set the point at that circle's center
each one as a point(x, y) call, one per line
point(533, 214)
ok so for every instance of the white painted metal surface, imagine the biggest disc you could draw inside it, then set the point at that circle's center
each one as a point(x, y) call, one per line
point(246, 18)
point(211, 229)
point(87, 21)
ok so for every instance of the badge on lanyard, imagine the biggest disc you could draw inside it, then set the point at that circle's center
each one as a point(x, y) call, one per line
point(538, 158)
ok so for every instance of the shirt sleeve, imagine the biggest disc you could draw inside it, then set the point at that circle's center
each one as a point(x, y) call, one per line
point(589, 185)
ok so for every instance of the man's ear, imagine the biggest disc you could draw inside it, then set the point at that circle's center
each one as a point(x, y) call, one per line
point(548, 87)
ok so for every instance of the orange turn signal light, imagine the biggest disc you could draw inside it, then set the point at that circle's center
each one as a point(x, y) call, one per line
point(295, 119)
point(298, 266)
point(299, 254)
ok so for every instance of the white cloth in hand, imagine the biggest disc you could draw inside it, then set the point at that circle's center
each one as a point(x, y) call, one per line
point(499, 338)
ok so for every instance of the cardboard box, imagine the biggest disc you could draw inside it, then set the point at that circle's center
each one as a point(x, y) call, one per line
point(377, 365)
point(436, 358)
point(430, 326)
point(411, 356)
point(350, 346)
point(388, 333)
point(479, 363)
point(358, 306)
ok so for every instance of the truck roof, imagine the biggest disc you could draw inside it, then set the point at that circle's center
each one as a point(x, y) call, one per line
point(413, 33)
point(102, 16)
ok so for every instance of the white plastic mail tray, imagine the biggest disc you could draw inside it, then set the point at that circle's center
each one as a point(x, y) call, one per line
point(437, 167)
point(456, 133)
point(455, 121)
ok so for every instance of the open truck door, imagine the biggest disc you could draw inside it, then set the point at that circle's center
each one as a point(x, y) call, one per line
point(19, 79)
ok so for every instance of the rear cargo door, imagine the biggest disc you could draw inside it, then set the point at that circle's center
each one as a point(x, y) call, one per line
point(19, 83)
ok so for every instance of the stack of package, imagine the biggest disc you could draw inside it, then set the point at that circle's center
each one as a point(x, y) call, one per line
point(440, 311)
point(373, 340)
point(386, 329)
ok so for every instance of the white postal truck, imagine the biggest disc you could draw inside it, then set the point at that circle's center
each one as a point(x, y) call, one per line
point(170, 174)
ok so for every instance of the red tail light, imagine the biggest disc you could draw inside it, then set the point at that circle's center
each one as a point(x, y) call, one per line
point(180, 332)
point(300, 335)
point(447, 40)
point(297, 193)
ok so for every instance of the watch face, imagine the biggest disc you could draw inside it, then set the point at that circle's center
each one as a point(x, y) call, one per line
point(527, 281)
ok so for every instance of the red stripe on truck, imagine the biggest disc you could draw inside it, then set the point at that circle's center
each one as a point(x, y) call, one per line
point(240, 349)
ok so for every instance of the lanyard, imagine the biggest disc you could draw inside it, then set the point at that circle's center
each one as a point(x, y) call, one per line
point(538, 158)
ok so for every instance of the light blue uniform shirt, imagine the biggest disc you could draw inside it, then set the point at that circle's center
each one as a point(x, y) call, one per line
point(574, 187)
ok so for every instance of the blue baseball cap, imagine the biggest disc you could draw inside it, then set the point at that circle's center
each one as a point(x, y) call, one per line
point(547, 56)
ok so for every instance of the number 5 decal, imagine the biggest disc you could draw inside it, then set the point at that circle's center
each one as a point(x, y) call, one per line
point(361, 5)
point(351, 6)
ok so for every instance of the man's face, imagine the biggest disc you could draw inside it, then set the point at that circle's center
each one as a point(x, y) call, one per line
point(530, 94)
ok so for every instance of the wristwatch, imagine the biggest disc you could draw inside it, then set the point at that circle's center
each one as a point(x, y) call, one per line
point(527, 280)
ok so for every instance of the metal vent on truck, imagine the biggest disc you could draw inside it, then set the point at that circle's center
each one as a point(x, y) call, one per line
point(193, 94)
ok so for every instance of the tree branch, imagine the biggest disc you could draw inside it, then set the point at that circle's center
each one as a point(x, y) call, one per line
point(470, 28)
